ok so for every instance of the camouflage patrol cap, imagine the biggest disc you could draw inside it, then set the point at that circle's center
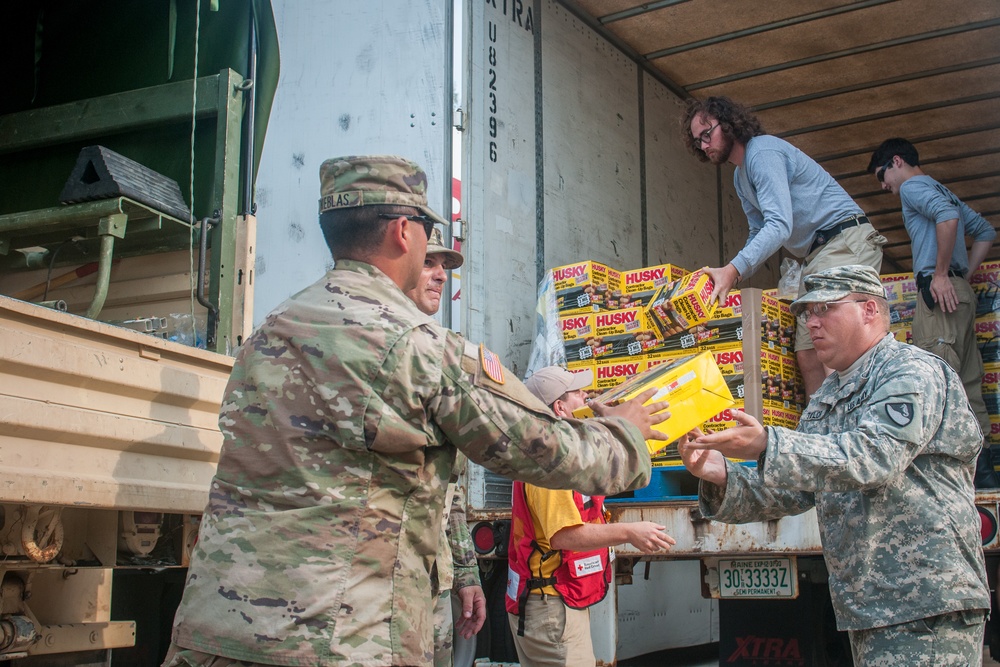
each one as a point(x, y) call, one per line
point(363, 180)
point(836, 283)
point(435, 246)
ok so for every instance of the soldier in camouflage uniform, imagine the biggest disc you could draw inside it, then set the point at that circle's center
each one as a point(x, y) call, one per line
point(456, 568)
point(341, 422)
point(885, 452)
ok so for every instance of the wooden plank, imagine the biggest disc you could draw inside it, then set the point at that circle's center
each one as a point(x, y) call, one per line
point(863, 30)
point(862, 69)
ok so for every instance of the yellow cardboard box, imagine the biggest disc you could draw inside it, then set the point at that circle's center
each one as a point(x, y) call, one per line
point(991, 378)
point(620, 322)
point(988, 272)
point(731, 306)
point(639, 285)
point(994, 435)
point(611, 373)
point(579, 325)
point(682, 304)
point(729, 358)
point(903, 332)
point(584, 286)
point(692, 385)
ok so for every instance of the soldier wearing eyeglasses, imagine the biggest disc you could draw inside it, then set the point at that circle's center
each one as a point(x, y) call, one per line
point(341, 422)
point(885, 452)
point(938, 223)
point(789, 200)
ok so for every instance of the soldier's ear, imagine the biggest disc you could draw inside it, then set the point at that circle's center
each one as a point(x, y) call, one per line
point(398, 235)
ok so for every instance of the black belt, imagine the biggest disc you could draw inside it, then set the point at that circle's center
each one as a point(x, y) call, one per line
point(823, 236)
point(924, 279)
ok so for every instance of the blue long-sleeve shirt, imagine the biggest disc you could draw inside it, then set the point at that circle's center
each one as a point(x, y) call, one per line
point(787, 198)
point(926, 204)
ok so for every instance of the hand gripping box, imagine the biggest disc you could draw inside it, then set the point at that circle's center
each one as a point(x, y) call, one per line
point(682, 304)
point(692, 385)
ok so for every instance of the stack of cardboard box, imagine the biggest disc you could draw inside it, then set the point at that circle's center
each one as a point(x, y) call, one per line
point(901, 293)
point(986, 284)
point(657, 314)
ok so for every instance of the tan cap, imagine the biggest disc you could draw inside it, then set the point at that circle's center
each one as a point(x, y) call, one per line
point(435, 246)
point(551, 382)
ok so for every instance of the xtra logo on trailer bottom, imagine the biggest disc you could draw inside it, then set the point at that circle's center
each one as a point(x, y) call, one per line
point(771, 651)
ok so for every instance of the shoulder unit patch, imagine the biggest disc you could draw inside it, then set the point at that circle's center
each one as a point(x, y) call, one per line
point(900, 413)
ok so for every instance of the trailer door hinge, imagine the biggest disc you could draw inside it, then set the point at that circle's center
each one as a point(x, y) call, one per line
point(458, 120)
point(458, 229)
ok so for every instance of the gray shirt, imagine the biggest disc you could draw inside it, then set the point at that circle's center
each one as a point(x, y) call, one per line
point(886, 458)
point(787, 198)
point(926, 204)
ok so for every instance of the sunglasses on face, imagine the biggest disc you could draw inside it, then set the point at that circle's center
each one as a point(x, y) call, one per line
point(428, 223)
point(880, 174)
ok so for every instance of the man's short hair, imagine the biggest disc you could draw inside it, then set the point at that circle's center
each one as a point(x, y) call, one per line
point(883, 310)
point(357, 233)
point(891, 147)
point(737, 122)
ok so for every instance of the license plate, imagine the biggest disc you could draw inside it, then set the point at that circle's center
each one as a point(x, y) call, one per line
point(758, 578)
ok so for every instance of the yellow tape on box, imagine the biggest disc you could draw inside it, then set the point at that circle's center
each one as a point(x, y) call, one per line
point(692, 385)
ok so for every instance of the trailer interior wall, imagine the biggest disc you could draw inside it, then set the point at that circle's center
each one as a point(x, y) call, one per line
point(574, 153)
point(836, 78)
point(358, 78)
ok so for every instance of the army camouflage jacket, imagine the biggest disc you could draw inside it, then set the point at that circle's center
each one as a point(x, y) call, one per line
point(462, 568)
point(324, 518)
point(887, 460)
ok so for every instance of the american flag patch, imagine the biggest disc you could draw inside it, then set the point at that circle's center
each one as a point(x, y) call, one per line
point(491, 364)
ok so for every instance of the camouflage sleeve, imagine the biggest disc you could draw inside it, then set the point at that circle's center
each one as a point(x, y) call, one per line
point(463, 553)
point(747, 498)
point(499, 424)
point(894, 424)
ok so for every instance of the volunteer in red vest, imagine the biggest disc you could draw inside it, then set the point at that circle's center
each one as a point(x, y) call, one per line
point(560, 556)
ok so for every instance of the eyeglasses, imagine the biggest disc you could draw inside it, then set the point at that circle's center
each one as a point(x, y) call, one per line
point(880, 174)
point(428, 223)
point(820, 309)
point(706, 136)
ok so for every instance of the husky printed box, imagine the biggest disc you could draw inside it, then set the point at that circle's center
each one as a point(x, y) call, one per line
point(584, 286)
point(678, 306)
point(639, 285)
point(729, 359)
point(988, 336)
point(985, 283)
point(608, 374)
point(575, 327)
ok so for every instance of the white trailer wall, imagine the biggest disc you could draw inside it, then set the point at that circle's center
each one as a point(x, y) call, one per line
point(356, 78)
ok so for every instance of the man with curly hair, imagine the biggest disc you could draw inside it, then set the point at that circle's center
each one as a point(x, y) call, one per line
point(789, 200)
